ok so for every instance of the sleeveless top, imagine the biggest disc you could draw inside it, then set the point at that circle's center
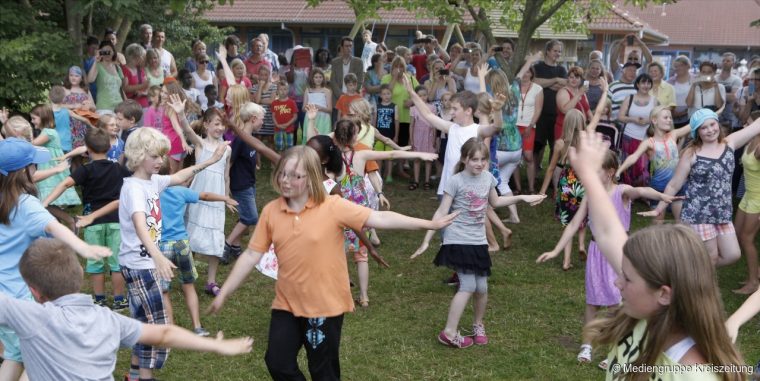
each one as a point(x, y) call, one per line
point(200, 84)
point(635, 130)
point(664, 160)
point(708, 192)
point(751, 174)
point(471, 82)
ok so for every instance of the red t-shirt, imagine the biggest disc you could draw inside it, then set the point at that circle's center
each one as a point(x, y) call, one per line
point(136, 79)
point(283, 111)
point(419, 61)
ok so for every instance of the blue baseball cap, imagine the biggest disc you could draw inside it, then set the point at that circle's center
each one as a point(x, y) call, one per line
point(699, 117)
point(17, 153)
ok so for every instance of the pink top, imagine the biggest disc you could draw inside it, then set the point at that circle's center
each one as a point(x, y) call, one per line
point(156, 118)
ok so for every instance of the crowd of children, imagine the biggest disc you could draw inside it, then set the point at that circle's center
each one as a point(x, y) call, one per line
point(156, 184)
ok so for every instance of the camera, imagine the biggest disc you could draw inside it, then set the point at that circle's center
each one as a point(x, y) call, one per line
point(498, 49)
point(105, 52)
point(585, 84)
point(443, 72)
point(466, 50)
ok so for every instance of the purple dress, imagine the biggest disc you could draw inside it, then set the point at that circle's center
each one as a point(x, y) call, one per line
point(600, 276)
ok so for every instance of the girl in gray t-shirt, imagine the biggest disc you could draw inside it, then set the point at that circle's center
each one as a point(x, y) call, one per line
point(465, 249)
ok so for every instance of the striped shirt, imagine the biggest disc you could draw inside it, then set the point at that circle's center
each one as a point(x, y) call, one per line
point(617, 93)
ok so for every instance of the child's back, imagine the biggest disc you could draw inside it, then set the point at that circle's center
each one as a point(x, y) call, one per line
point(63, 127)
point(68, 337)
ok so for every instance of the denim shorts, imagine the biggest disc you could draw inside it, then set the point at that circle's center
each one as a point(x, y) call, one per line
point(247, 211)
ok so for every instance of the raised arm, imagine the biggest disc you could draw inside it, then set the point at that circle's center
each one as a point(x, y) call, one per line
point(228, 75)
point(185, 174)
point(92, 74)
point(747, 311)
point(741, 137)
point(425, 112)
point(178, 105)
point(529, 61)
point(559, 145)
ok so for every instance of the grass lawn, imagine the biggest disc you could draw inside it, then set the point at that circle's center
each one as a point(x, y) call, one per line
point(533, 321)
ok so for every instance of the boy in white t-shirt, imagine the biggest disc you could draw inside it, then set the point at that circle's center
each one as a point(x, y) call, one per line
point(463, 106)
point(141, 261)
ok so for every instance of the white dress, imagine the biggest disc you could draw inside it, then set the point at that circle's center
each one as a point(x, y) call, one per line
point(205, 220)
point(200, 84)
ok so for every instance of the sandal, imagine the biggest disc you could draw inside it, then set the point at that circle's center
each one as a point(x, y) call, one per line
point(212, 289)
point(426, 186)
point(413, 185)
point(364, 303)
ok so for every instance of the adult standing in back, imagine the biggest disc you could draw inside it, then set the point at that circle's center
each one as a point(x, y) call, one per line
point(369, 49)
point(551, 76)
point(732, 83)
point(342, 65)
point(167, 59)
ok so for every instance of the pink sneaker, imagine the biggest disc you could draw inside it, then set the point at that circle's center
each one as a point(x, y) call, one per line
point(479, 334)
point(457, 341)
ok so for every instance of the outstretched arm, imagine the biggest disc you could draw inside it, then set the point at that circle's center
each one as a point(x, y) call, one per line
point(393, 220)
point(632, 158)
point(172, 336)
point(497, 201)
point(567, 234)
point(84, 221)
point(740, 138)
point(67, 183)
point(747, 311)
point(425, 112)
point(57, 230)
point(178, 105)
point(243, 266)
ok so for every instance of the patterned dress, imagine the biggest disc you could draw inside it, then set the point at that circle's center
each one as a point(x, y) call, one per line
point(708, 192)
point(78, 128)
point(569, 196)
point(353, 189)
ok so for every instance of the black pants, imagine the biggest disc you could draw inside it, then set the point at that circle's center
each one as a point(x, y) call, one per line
point(320, 336)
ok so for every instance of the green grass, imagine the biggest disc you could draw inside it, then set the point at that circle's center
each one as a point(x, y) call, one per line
point(533, 321)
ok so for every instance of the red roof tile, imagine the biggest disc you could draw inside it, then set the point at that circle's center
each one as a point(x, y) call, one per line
point(297, 11)
point(704, 22)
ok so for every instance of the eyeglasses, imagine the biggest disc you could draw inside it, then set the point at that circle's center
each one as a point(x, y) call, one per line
point(291, 176)
point(202, 62)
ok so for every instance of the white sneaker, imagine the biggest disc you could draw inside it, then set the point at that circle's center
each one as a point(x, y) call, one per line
point(585, 354)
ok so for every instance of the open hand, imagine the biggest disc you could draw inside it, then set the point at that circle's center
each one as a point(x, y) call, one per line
point(176, 103)
point(546, 256)
point(384, 203)
point(233, 347)
point(534, 199)
point(311, 111)
point(95, 252)
point(444, 221)
point(650, 213)
point(222, 53)
point(428, 156)
point(231, 204)
point(219, 151)
point(83, 221)
point(589, 154)
point(164, 267)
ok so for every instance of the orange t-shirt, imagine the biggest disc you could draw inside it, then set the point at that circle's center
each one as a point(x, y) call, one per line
point(312, 279)
point(344, 101)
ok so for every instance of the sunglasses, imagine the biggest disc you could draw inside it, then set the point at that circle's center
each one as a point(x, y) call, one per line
point(202, 62)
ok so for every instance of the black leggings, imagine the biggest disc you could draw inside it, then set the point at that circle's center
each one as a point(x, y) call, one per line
point(320, 336)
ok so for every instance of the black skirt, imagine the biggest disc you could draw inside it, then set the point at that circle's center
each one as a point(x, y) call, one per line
point(469, 259)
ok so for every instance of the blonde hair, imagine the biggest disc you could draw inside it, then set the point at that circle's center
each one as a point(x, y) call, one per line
point(142, 143)
point(673, 256)
point(499, 83)
point(235, 63)
point(309, 159)
point(249, 109)
point(238, 96)
point(362, 109)
point(653, 115)
point(574, 123)
point(19, 127)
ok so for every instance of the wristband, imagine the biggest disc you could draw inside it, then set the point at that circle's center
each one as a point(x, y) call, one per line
point(380, 194)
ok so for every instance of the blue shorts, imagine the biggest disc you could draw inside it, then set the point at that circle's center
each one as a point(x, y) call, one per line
point(247, 211)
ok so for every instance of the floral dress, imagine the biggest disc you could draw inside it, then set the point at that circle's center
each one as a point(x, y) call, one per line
point(78, 128)
point(570, 193)
point(353, 189)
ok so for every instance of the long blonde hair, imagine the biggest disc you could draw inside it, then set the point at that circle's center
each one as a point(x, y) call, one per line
point(309, 158)
point(574, 123)
point(238, 96)
point(673, 256)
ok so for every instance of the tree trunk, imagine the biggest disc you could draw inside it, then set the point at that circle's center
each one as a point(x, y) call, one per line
point(74, 19)
point(122, 32)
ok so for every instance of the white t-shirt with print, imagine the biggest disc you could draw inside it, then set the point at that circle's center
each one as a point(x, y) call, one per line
point(140, 196)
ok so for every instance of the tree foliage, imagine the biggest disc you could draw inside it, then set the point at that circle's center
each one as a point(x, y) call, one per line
point(40, 39)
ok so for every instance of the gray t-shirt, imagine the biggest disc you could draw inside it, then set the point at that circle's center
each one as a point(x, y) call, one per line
point(732, 84)
point(470, 195)
point(69, 338)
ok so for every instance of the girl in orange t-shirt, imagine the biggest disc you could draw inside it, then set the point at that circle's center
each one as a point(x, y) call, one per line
point(312, 289)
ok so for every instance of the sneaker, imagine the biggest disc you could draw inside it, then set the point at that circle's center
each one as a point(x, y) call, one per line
point(200, 331)
point(102, 303)
point(479, 334)
point(120, 305)
point(457, 341)
point(584, 355)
